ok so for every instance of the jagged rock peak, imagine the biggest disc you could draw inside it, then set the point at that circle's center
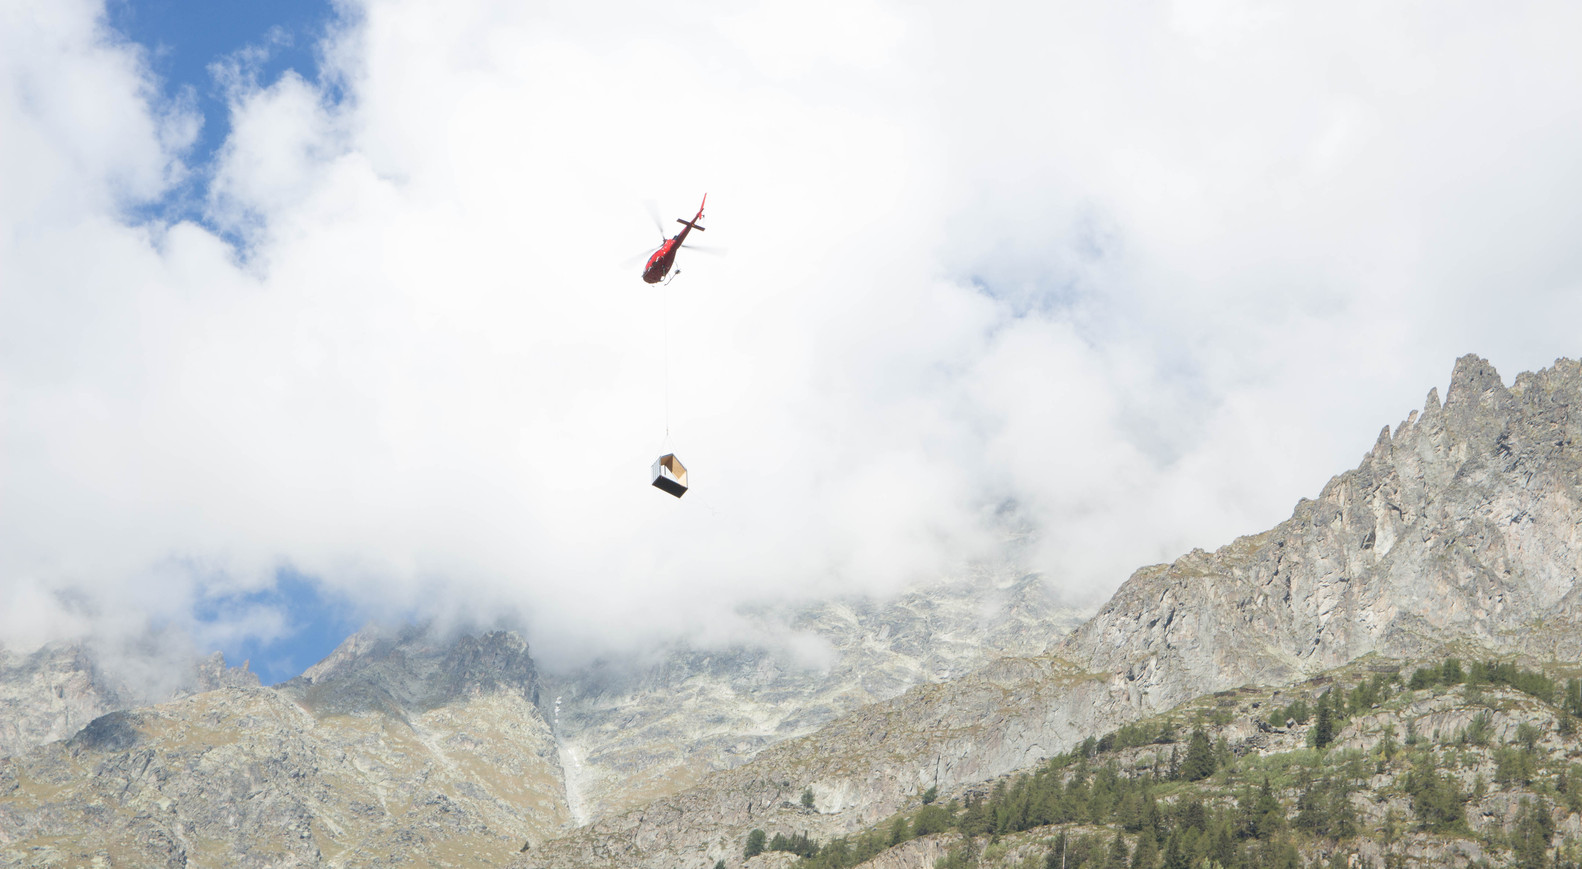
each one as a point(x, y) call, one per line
point(1473, 377)
point(213, 673)
point(1457, 532)
point(415, 668)
point(48, 693)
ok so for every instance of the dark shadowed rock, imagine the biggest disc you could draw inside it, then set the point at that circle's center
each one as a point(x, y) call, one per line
point(50, 693)
point(413, 669)
point(116, 731)
point(53, 691)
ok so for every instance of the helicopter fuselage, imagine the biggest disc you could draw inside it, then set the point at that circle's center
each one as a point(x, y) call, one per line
point(659, 264)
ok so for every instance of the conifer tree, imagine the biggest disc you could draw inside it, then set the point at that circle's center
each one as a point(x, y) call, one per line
point(930, 820)
point(1147, 854)
point(1534, 829)
point(1259, 815)
point(1199, 763)
point(1056, 858)
point(1435, 798)
point(1222, 754)
point(1223, 846)
point(1129, 811)
point(1312, 808)
point(1324, 729)
point(1174, 857)
point(1118, 855)
point(962, 856)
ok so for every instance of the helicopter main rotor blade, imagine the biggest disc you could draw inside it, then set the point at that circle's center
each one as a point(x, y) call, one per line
point(653, 212)
point(637, 260)
point(709, 249)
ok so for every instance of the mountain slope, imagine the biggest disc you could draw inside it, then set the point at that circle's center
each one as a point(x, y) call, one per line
point(1462, 529)
point(394, 749)
point(632, 732)
point(409, 746)
point(1368, 765)
point(51, 692)
point(1459, 531)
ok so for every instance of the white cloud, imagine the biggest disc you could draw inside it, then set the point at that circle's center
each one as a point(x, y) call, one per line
point(83, 133)
point(1147, 274)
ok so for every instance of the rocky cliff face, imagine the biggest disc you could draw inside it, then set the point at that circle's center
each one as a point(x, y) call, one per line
point(1499, 751)
point(1459, 530)
point(414, 669)
point(408, 745)
point(392, 748)
point(50, 693)
point(1462, 529)
point(860, 768)
point(631, 733)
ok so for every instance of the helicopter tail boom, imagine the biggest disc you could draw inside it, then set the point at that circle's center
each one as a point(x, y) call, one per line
point(693, 223)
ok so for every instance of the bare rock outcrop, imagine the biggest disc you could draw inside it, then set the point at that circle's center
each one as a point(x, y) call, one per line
point(415, 668)
point(51, 692)
point(411, 744)
point(397, 746)
point(1460, 530)
point(636, 732)
point(212, 674)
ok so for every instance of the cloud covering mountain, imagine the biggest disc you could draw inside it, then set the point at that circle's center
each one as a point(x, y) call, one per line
point(1110, 281)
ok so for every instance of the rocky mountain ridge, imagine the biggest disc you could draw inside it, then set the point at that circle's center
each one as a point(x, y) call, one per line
point(414, 669)
point(1463, 528)
point(51, 692)
point(1368, 765)
point(1458, 531)
point(631, 733)
point(399, 747)
point(410, 742)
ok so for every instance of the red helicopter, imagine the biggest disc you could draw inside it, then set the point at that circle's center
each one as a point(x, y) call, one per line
point(659, 264)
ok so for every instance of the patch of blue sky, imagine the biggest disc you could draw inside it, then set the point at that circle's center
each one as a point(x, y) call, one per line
point(315, 622)
point(1029, 291)
point(186, 40)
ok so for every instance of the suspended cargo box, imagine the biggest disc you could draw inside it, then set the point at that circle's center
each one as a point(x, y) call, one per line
point(670, 475)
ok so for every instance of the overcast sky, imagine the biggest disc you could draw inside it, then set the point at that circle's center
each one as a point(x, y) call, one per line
point(337, 312)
